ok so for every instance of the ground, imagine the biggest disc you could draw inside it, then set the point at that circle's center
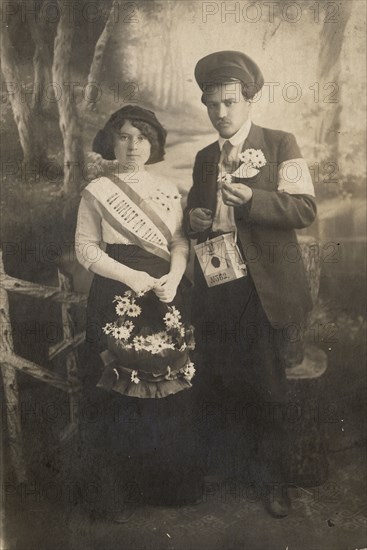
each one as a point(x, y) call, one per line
point(331, 517)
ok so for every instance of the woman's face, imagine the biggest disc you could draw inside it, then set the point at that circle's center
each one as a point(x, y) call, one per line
point(132, 148)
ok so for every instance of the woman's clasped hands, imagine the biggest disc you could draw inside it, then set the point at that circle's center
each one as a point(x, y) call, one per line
point(165, 288)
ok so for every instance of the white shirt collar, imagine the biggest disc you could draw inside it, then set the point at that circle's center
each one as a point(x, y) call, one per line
point(238, 137)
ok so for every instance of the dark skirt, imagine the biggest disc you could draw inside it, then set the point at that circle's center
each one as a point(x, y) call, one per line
point(159, 431)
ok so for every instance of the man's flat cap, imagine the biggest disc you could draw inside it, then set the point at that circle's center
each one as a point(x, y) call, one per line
point(219, 67)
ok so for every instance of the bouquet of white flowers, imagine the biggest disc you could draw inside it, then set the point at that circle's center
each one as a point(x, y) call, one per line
point(148, 348)
point(252, 160)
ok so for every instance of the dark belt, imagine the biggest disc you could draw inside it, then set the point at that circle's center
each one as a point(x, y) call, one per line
point(213, 234)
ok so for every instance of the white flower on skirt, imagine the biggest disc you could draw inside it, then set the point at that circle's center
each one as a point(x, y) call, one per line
point(108, 328)
point(124, 331)
point(134, 377)
point(133, 310)
point(188, 371)
point(166, 338)
point(155, 344)
point(139, 343)
point(121, 333)
point(172, 319)
point(121, 308)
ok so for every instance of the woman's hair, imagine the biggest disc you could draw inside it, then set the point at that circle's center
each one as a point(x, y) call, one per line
point(144, 120)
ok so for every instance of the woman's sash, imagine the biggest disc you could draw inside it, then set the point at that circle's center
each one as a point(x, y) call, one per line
point(129, 213)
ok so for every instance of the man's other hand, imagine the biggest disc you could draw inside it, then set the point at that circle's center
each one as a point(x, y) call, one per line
point(200, 219)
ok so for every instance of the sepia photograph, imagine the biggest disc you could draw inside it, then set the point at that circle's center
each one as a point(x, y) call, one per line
point(183, 275)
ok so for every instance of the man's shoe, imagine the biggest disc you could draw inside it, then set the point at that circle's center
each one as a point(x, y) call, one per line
point(124, 515)
point(277, 501)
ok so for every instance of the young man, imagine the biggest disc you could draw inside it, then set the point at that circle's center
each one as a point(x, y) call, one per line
point(241, 325)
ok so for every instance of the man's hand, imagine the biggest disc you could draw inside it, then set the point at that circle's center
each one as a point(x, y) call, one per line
point(236, 194)
point(166, 287)
point(200, 219)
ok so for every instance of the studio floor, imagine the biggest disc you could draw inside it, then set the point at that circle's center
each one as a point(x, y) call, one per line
point(332, 516)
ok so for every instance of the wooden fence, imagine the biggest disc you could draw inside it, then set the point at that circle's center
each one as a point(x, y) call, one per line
point(11, 362)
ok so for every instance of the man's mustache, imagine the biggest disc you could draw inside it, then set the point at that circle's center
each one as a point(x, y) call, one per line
point(223, 120)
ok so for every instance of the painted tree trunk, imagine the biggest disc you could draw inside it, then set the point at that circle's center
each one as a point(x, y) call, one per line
point(95, 71)
point(42, 68)
point(294, 344)
point(70, 124)
point(21, 110)
point(330, 45)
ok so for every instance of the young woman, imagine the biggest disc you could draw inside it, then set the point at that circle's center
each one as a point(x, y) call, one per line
point(145, 435)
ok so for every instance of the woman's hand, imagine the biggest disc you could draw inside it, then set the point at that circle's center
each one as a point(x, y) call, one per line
point(166, 287)
point(141, 281)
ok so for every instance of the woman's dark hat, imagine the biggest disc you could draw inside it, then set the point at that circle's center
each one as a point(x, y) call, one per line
point(103, 143)
point(224, 66)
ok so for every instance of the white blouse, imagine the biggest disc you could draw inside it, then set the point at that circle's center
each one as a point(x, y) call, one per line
point(93, 230)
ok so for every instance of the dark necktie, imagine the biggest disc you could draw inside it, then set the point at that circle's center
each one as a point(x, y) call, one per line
point(227, 163)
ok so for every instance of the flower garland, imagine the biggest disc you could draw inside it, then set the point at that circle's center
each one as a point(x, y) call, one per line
point(173, 338)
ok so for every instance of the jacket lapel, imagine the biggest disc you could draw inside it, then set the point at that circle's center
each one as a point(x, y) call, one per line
point(255, 138)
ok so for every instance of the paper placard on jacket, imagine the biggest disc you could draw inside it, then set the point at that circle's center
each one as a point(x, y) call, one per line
point(220, 260)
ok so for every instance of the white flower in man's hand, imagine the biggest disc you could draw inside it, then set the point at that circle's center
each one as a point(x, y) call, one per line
point(225, 178)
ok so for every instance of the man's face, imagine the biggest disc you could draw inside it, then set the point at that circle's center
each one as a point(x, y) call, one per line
point(227, 108)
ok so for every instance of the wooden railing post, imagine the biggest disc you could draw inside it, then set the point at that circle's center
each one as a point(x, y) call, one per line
point(11, 392)
point(71, 361)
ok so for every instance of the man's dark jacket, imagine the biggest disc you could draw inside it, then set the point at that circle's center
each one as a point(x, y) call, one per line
point(266, 226)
